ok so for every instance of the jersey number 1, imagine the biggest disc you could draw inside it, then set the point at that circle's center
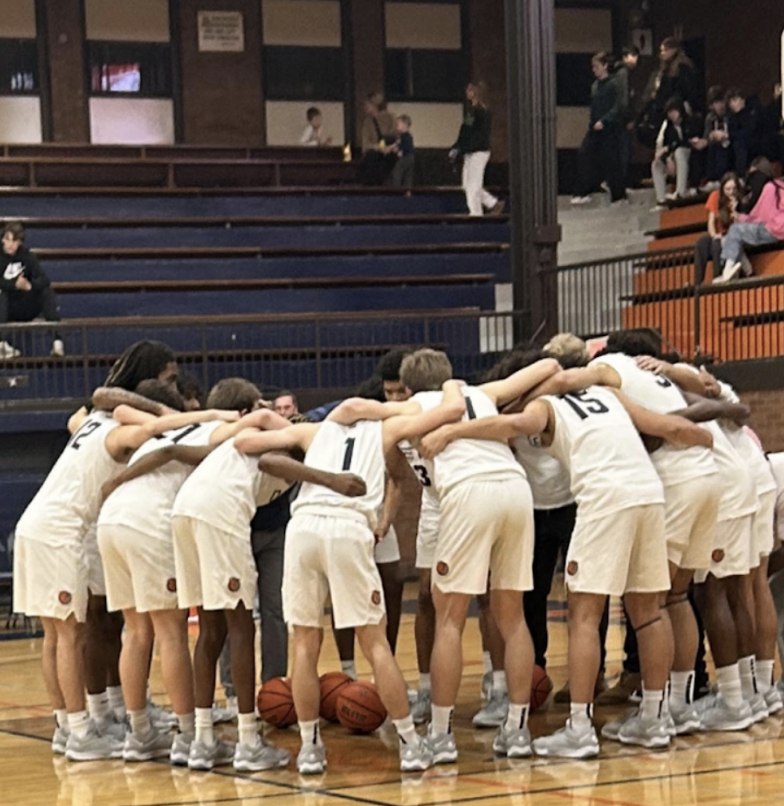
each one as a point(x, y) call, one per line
point(348, 454)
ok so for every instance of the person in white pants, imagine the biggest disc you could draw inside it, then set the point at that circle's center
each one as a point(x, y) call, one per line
point(673, 153)
point(473, 143)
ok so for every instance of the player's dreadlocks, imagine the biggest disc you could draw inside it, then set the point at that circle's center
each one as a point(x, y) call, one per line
point(140, 362)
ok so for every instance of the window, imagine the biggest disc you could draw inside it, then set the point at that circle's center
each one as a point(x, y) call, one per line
point(18, 66)
point(304, 73)
point(142, 69)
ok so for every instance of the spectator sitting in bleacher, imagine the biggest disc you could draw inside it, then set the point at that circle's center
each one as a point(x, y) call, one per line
point(759, 174)
point(714, 144)
point(403, 149)
point(763, 225)
point(600, 152)
point(673, 153)
point(25, 290)
point(722, 207)
point(746, 125)
point(313, 134)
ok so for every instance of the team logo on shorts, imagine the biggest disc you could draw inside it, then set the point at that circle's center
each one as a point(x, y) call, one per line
point(64, 597)
point(717, 556)
point(171, 585)
point(376, 598)
point(234, 584)
point(442, 568)
point(571, 569)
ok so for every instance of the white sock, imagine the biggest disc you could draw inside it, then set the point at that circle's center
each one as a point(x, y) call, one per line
point(424, 681)
point(487, 662)
point(580, 715)
point(61, 718)
point(204, 726)
point(310, 733)
point(79, 723)
point(764, 676)
point(247, 729)
point(748, 684)
point(499, 682)
point(98, 706)
point(652, 703)
point(187, 724)
point(517, 718)
point(405, 730)
point(116, 701)
point(349, 667)
point(681, 687)
point(728, 681)
point(140, 722)
point(442, 718)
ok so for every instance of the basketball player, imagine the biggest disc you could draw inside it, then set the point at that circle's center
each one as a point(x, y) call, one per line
point(691, 497)
point(49, 562)
point(136, 546)
point(617, 547)
point(329, 550)
point(215, 572)
point(723, 590)
point(485, 529)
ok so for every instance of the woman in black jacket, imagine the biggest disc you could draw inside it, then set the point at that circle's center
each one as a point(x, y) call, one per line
point(25, 290)
point(600, 154)
point(473, 143)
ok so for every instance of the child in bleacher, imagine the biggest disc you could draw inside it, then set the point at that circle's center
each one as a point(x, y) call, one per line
point(313, 134)
point(403, 148)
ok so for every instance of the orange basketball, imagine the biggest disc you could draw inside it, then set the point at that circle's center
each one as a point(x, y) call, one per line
point(541, 686)
point(331, 683)
point(276, 703)
point(360, 708)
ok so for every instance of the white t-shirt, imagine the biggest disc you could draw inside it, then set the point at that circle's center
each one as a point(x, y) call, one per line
point(549, 479)
point(357, 449)
point(226, 489)
point(468, 458)
point(609, 467)
point(658, 394)
point(69, 499)
point(145, 503)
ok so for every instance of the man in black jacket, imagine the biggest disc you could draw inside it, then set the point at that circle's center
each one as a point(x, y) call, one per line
point(25, 290)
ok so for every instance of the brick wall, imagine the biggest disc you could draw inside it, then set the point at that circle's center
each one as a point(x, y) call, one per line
point(767, 417)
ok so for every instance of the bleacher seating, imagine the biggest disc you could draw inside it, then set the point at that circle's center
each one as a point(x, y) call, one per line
point(739, 321)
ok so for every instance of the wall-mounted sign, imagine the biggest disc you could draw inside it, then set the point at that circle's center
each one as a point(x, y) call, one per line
point(221, 31)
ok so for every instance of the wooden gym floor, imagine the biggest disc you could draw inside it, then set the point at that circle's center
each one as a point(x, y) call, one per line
point(716, 769)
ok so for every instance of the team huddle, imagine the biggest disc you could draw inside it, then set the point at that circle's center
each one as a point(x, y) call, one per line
point(150, 507)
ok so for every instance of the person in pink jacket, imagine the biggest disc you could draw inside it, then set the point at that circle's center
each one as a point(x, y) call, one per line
point(763, 225)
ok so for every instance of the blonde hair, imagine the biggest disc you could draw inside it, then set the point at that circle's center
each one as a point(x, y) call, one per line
point(568, 349)
point(425, 370)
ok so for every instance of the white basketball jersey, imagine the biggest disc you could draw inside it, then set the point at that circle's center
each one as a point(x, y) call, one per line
point(426, 476)
point(468, 458)
point(145, 503)
point(609, 467)
point(357, 449)
point(747, 448)
point(69, 500)
point(656, 393)
point(226, 489)
point(549, 479)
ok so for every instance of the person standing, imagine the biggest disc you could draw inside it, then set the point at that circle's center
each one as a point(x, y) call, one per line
point(627, 96)
point(25, 290)
point(473, 143)
point(600, 153)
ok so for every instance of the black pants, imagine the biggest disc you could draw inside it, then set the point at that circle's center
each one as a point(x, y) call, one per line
point(600, 159)
point(552, 532)
point(718, 161)
point(376, 167)
point(707, 248)
point(24, 306)
point(268, 554)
